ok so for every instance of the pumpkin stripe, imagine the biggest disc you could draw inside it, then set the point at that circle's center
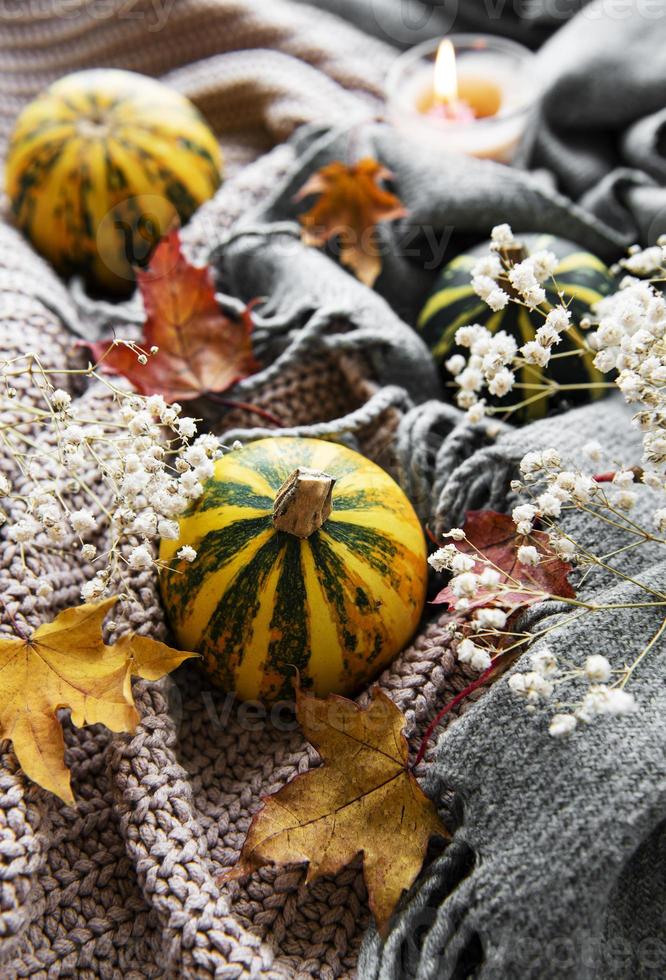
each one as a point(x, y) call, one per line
point(290, 627)
point(396, 606)
point(374, 516)
point(357, 500)
point(214, 551)
point(200, 524)
point(213, 588)
point(275, 469)
point(445, 296)
point(218, 494)
point(390, 524)
point(326, 661)
point(495, 322)
point(467, 316)
point(232, 624)
point(250, 670)
point(163, 147)
point(180, 195)
point(332, 577)
point(237, 472)
point(362, 638)
point(390, 560)
point(585, 294)
point(62, 186)
point(37, 171)
point(579, 260)
point(53, 129)
point(377, 550)
point(345, 471)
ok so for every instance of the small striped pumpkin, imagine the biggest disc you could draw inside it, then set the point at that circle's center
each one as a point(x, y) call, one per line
point(101, 164)
point(581, 279)
point(309, 556)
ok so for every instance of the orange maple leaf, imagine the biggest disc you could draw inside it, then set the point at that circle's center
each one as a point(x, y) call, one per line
point(351, 204)
point(201, 349)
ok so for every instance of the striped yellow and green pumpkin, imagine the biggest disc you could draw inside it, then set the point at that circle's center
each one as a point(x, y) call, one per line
point(581, 279)
point(259, 602)
point(101, 164)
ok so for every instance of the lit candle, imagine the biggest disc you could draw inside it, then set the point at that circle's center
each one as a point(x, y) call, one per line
point(475, 99)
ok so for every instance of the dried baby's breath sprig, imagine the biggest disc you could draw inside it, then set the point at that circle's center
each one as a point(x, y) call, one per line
point(580, 691)
point(103, 476)
point(625, 334)
point(552, 491)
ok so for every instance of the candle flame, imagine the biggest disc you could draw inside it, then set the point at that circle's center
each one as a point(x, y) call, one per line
point(446, 79)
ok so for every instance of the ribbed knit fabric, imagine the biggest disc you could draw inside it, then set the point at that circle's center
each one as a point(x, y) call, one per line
point(255, 69)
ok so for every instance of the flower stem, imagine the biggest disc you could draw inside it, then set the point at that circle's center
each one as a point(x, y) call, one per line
point(642, 655)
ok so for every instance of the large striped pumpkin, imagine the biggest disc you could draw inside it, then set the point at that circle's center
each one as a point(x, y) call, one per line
point(581, 279)
point(101, 164)
point(278, 585)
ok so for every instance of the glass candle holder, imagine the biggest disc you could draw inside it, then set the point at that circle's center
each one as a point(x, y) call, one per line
point(496, 80)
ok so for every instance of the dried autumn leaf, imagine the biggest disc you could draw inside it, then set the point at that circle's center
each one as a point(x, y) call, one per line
point(363, 799)
point(350, 205)
point(494, 537)
point(66, 664)
point(201, 349)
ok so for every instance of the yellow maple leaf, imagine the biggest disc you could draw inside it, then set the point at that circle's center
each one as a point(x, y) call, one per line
point(363, 799)
point(350, 205)
point(66, 664)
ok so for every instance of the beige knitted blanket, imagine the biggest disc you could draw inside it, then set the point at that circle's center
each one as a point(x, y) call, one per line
point(124, 883)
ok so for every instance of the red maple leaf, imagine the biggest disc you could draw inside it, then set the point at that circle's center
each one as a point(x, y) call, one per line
point(493, 537)
point(201, 349)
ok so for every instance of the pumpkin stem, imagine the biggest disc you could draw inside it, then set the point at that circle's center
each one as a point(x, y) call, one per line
point(303, 502)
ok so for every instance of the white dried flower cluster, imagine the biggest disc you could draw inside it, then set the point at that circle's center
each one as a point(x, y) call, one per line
point(626, 335)
point(470, 653)
point(486, 367)
point(473, 577)
point(650, 262)
point(552, 488)
point(495, 359)
point(538, 686)
point(122, 479)
point(631, 339)
point(477, 587)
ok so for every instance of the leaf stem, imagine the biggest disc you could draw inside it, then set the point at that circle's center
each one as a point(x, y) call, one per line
point(22, 634)
point(245, 407)
point(449, 706)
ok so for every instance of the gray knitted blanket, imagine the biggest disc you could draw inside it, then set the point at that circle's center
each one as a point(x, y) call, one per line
point(556, 868)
